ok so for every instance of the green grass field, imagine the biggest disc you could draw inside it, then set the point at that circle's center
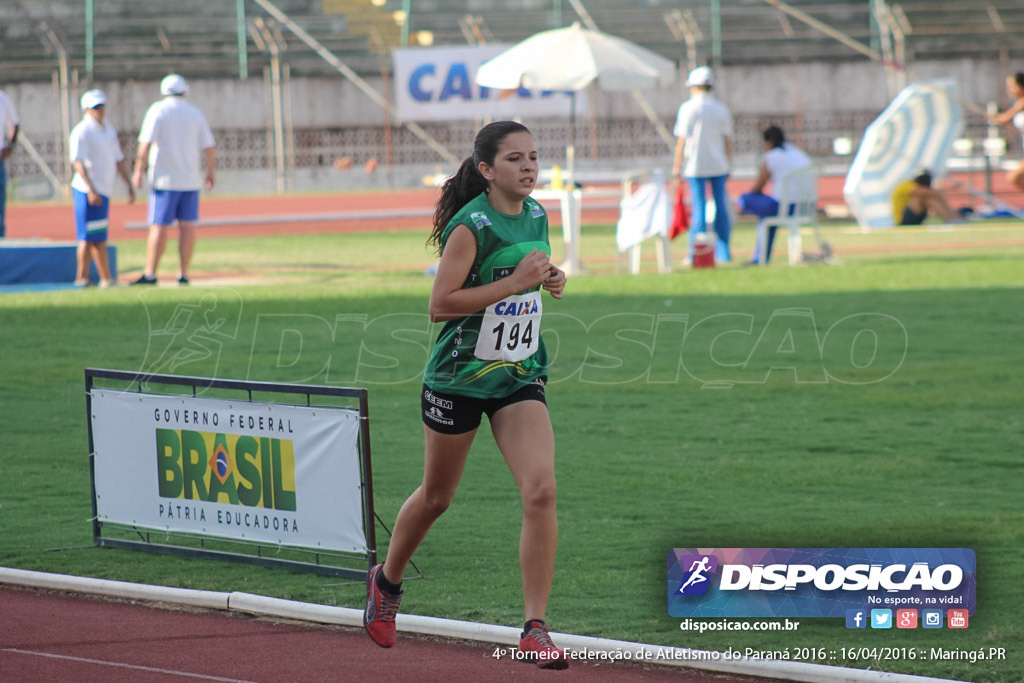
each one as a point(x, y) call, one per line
point(782, 426)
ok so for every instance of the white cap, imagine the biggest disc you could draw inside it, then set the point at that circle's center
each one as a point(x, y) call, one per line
point(174, 84)
point(92, 99)
point(700, 76)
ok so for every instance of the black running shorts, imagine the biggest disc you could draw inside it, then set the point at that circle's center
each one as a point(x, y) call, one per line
point(455, 414)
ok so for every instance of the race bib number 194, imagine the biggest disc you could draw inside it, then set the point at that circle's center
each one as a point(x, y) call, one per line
point(510, 329)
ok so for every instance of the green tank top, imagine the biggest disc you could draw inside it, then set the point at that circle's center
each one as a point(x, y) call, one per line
point(497, 351)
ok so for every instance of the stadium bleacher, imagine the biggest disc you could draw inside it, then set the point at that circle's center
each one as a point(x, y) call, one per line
point(139, 40)
point(125, 41)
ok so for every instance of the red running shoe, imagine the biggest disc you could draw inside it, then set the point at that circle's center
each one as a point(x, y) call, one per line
point(381, 609)
point(536, 648)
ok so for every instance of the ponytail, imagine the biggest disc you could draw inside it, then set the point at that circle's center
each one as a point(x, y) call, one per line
point(456, 192)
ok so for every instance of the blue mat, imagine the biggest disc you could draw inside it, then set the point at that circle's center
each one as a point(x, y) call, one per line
point(37, 287)
point(36, 263)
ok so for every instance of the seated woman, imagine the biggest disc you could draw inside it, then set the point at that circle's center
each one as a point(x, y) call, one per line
point(780, 157)
point(913, 199)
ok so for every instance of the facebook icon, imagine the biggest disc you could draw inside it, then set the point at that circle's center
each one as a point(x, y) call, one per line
point(856, 618)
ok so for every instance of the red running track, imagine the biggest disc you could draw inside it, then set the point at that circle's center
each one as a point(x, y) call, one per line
point(54, 221)
point(47, 637)
point(363, 212)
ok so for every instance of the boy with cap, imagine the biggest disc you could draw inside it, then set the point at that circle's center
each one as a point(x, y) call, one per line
point(704, 131)
point(172, 143)
point(97, 157)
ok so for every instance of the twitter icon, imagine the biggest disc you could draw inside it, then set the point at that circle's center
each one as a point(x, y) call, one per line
point(881, 618)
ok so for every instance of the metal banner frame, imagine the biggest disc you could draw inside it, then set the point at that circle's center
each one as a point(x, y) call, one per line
point(297, 558)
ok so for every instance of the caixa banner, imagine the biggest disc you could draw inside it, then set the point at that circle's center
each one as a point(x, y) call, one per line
point(439, 84)
point(817, 582)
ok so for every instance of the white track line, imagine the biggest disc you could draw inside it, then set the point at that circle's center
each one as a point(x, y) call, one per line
point(122, 665)
point(337, 216)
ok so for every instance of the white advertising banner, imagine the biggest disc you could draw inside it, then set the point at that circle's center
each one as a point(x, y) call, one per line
point(255, 472)
point(438, 84)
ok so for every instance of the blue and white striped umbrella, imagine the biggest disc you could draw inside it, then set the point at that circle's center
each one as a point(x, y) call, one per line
point(915, 133)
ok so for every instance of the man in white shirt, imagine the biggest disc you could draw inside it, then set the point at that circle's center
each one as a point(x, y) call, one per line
point(704, 132)
point(172, 143)
point(97, 158)
point(9, 123)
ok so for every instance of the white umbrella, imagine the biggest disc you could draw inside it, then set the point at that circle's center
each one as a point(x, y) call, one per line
point(570, 59)
point(915, 133)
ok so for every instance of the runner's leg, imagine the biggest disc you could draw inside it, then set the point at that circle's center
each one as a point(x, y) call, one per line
point(523, 433)
point(444, 460)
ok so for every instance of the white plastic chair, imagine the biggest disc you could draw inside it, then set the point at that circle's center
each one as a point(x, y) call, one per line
point(799, 190)
point(646, 220)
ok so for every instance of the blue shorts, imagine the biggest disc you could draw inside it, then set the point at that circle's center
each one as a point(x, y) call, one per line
point(911, 217)
point(91, 221)
point(760, 205)
point(167, 206)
